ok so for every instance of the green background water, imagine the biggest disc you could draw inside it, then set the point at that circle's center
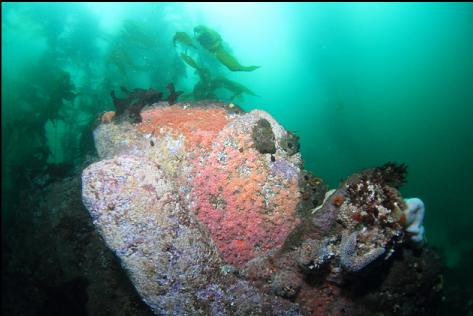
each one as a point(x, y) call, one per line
point(361, 84)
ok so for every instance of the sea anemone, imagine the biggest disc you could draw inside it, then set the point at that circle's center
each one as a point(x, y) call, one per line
point(338, 200)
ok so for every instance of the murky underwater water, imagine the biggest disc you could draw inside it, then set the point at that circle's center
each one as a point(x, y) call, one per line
point(360, 84)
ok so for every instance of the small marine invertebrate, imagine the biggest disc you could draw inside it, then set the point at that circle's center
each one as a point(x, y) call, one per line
point(338, 200)
point(107, 117)
point(313, 254)
point(349, 258)
point(263, 137)
point(286, 283)
point(328, 194)
point(414, 217)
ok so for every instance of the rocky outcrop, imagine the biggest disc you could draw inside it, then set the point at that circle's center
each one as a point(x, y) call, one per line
point(210, 212)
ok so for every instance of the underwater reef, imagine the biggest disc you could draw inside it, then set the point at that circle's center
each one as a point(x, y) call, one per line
point(210, 212)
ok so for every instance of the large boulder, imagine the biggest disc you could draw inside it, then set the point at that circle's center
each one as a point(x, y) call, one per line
point(246, 197)
point(210, 212)
point(183, 197)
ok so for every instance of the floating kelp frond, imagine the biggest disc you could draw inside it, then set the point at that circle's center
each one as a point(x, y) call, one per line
point(231, 62)
point(208, 38)
point(236, 88)
point(183, 38)
point(212, 41)
point(190, 61)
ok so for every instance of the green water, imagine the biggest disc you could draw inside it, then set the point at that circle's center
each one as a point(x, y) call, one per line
point(361, 84)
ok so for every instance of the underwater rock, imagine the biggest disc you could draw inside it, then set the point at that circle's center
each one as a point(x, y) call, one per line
point(137, 211)
point(223, 178)
point(338, 246)
point(60, 264)
point(210, 212)
point(412, 285)
point(160, 244)
point(313, 191)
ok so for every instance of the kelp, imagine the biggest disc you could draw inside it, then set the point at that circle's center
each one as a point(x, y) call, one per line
point(138, 34)
point(208, 38)
point(212, 41)
point(208, 83)
point(120, 56)
point(237, 89)
point(173, 94)
point(63, 90)
point(231, 63)
point(129, 108)
point(184, 39)
point(190, 61)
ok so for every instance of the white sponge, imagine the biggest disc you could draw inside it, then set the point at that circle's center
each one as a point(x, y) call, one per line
point(414, 219)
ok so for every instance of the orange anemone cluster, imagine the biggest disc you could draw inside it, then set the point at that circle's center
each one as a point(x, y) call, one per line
point(246, 209)
point(198, 125)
